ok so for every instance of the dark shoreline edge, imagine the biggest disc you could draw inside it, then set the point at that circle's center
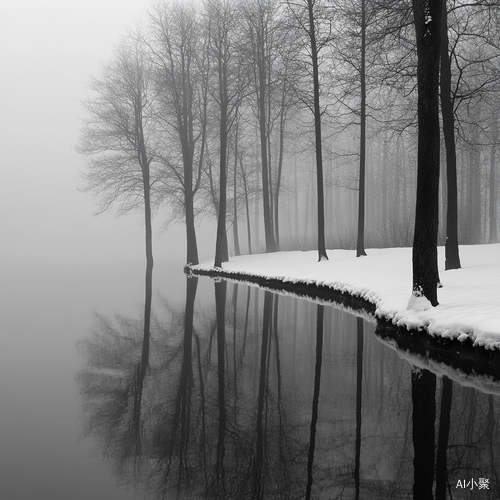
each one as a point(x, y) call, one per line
point(463, 355)
point(300, 289)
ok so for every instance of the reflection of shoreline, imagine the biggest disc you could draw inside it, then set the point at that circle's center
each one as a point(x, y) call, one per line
point(466, 367)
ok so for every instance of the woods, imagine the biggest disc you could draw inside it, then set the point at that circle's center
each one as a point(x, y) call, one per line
point(300, 125)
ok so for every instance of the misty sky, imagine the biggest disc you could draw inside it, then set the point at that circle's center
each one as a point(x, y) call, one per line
point(48, 51)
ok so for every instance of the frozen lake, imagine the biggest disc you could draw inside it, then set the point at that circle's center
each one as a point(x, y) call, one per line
point(265, 396)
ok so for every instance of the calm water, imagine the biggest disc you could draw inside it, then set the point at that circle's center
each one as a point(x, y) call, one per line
point(236, 393)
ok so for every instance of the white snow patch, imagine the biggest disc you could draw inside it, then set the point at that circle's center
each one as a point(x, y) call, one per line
point(418, 302)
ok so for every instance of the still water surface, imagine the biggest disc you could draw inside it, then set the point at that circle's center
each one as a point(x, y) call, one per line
point(236, 393)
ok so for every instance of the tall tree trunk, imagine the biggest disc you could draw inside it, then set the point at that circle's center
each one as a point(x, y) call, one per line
point(427, 15)
point(247, 207)
point(474, 193)
point(144, 164)
point(360, 245)
point(235, 197)
point(296, 201)
point(221, 250)
point(397, 188)
point(278, 174)
point(317, 127)
point(257, 190)
point(187, 141)
point(270, 171)
point(493, 237)
point(370, 216)
point(443, 199)
point(452, 257)
point(404, 200)
point(385, 183)
point(263, 131)
point(307, 223)
point(192, 246)
point(463, 170)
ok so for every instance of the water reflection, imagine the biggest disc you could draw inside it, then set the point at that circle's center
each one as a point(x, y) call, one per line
point(442, 478)
point(254, 395)
point(423, 393)
point(112, 387)
point(359, 401)
point(317, 382)
point(466, 448)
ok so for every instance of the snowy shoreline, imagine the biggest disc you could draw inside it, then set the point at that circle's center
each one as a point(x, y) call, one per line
point(469, 302)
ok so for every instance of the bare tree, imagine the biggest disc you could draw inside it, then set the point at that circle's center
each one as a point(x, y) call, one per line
point(223, 21)
point(306, 14)
point(493, 236)
point(118, 140)
point(180, 56)
point(469, 78)
point(350, 48)
point(236, 154)
point(465, 27)
point(452, 259)
point(360, 244)
point(260, 17)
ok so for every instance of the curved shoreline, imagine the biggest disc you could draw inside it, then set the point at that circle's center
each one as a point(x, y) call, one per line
point(462, 354)
point(300, 288)
point(381, 283)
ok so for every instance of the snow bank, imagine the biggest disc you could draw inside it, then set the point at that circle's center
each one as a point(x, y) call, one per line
point(469, 302)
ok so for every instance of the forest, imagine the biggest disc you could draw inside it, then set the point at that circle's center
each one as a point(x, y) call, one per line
point(305, 124)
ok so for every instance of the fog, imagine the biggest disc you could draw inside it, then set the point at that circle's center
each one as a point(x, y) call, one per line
point(51, 50)
point(48, 51)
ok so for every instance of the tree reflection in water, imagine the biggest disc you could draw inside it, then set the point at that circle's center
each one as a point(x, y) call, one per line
point(359, 399)
point(317, 383)
point(423, 391)
point(293, 400)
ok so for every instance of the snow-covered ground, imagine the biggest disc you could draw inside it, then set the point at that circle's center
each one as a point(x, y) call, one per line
point(469, 302)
